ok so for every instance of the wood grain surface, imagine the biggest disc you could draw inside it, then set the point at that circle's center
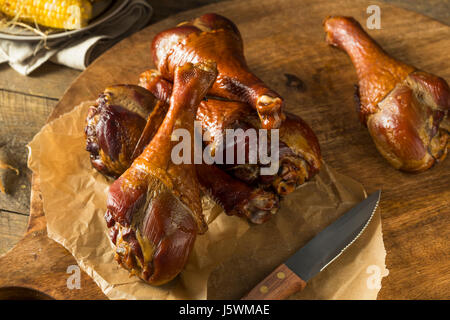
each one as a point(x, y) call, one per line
point(284, 39)
point(20, 115)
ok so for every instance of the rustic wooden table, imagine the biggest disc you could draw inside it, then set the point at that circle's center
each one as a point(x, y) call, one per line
point(26, 102)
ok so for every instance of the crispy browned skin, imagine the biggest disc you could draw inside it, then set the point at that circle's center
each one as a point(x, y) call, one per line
point(114, 125)
point(236, 197)
point(154, 121)
point(213, 37)
point(300, 156)
point(255, 204)
point(154, 207)
point(405, 110)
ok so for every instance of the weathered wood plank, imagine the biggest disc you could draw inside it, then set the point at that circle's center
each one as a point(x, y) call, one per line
point(21, 117)
point(436, 9)
point(12, 229)
point(36, 246)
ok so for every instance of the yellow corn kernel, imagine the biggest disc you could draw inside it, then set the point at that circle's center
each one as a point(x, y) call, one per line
point(58, 14)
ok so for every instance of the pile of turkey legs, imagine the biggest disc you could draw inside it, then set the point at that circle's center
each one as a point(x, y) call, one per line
point(154, 207)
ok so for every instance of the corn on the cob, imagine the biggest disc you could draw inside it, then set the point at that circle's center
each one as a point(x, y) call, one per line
point(59, 14)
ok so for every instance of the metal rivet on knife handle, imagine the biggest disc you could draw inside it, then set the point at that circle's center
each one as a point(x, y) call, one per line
point(263, 289)
point(280, 284)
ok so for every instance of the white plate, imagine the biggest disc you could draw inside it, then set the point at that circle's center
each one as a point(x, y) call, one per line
point(104, 10)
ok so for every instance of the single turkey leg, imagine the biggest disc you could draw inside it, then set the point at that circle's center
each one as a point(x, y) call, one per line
point(154, 208)
point(213, 37)
point(405, 110)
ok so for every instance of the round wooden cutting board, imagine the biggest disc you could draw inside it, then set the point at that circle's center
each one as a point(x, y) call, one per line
point(284, 45)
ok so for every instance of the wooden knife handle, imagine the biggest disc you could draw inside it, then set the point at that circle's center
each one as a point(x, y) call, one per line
point(278, 285)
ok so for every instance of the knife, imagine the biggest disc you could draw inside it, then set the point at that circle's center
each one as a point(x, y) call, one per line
point(317, 254)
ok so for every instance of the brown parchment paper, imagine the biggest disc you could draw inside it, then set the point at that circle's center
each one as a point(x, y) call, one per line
point(230, 258)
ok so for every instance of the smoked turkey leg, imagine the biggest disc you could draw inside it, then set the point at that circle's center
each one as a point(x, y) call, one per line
point(405, 110)
point(154, 208)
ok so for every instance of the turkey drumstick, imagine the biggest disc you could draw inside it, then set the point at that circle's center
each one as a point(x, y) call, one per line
point(154, 208)
point(213, 37)
point(405, 110)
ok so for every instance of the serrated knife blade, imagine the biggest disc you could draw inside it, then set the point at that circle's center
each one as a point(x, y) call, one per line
point(318, 253)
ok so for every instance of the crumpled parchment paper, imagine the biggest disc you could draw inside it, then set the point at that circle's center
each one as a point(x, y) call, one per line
point(227, 261)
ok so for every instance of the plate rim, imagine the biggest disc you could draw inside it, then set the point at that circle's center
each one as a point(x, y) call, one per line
point(119, 5)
